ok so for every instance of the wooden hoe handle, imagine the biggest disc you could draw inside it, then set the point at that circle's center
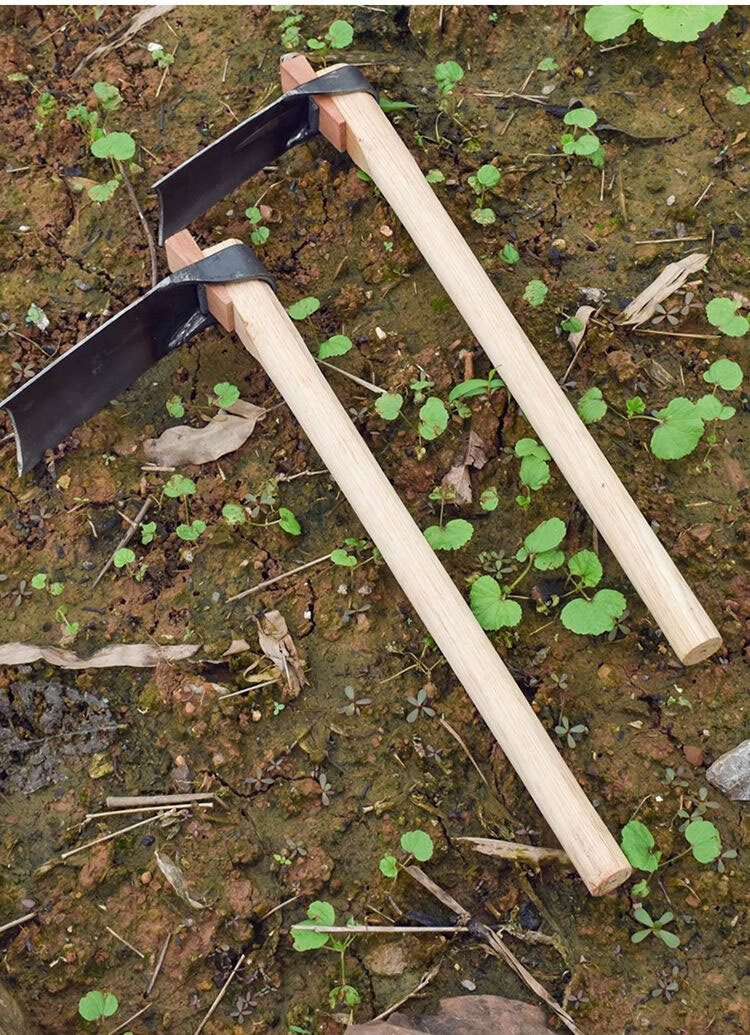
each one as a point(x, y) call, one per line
point(267, 332)
point(376, 147)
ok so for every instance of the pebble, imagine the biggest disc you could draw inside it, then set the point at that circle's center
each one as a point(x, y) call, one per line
point(730, 773)
point(693, 754)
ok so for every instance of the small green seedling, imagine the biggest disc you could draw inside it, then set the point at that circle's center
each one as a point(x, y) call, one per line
point(336, 345)
point(547, 64)
point(148, 532)
point(591, 406)
point(419, 706)
point(487, 176)
point(175, 406)
point(489, 499)
point(179, 486)
point(96, 1005)
point(534, 472)
point(588, 145)
point(388, 406)
point(107, 95)
point(654, 927)
point(680, 430)
point(37, 317)
point(723, 313)
point(289, 522)
point(118, 146)
point(70, 629)
point(417, 844)
point(509, 255)
point(304, 308)
point(570, 734)
point(189, 533)
point(477, 386)
point(259, 234)
point(433, 419)
point(233, 514)
point(159, 55)
point(535, 292)
point(226, 394)
point(290, 34)
point(738, 95)
point(447, 74)
point(322, 914)
point(343, 558)
point(39, 581)
point(435, 176)
point(637, 843)
point(572, 325)
point(451, 536)
point(123, 557)
point(678, 23)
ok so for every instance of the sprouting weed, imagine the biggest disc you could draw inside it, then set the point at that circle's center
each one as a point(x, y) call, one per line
point(420, 707)
point(570, 734)
point(354, 704)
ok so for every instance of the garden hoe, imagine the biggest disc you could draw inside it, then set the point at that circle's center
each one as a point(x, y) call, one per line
point(355, 122)
point(106, 362)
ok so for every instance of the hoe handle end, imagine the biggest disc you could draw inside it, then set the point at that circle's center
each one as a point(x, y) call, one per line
point(295, 70)
point(182, 249)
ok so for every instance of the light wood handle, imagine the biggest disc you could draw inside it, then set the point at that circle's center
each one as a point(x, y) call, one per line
point(267, 332)
point(376, 147)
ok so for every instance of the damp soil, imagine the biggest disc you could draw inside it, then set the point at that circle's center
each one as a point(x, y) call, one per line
point(314, 792)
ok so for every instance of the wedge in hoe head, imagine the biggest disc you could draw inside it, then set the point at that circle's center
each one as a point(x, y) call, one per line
point(91, 374)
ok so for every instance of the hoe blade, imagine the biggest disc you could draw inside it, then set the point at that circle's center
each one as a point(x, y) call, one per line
point(78, 384)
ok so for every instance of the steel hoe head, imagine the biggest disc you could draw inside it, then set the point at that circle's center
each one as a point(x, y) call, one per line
point(79, 383)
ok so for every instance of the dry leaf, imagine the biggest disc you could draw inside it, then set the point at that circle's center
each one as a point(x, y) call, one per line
point(177, 879)
point(278, 646)
point(583, 314)
point(126, 655)
point(464, 1014)
point(671, 278)
point(117, 39)
point(185, 445)
point(458, 477)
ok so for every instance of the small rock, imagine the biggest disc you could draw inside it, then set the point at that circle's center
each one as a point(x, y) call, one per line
point(693, 754)
point(529, 917)
point(730, 773)
point(386, 960)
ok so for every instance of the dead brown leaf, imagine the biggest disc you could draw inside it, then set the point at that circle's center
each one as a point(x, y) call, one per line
point(223, 434)
point(458, 477)
point(278, 646)
point(117, 39)
point(125, 655)
point(671, 278)
point(177, 880)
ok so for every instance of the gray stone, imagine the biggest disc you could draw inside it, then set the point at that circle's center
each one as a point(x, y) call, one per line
point(730, 773)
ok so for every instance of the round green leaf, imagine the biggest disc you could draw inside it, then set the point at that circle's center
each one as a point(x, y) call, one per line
point(388, 406)
point(547, 65)
point(585, 565)
point(447, 74)
point(704, 839)
point(725, 373)
point(123, 556)
point(233, 514)
point(680, 23)
point(91, 1006)
point(509, 255)
point(738, 95)
point(114, 145)
point(433, 419)
point(591, 406)
point(417, 843)
point(586, 145)
point(179, 486)
point(722, 313)
point(435, 176)
point(530, 447)
point(490, 609)
point(584, 118)
point(289, 522)
point(452, 536)
point(548, 560)
point(110, 1004)
point(253, 214)
point(680, 431)
point(546, 536)
point(388, 866)
point(637, 843)
point(534, 472)
point(304, 940)
point(535, 292)
point(304, 307)
point(39, 581)
point(594, 617)
point(321, 913)
point(337, 345)
point(488, 175)
point(109, 96)
point(340, 34)
point(343, 559)
point(489, 499)
point(711, 408)
point(483, 216)
point(606, 23)
point(226, 394)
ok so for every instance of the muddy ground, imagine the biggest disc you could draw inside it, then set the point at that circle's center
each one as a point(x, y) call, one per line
point(316, 791)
